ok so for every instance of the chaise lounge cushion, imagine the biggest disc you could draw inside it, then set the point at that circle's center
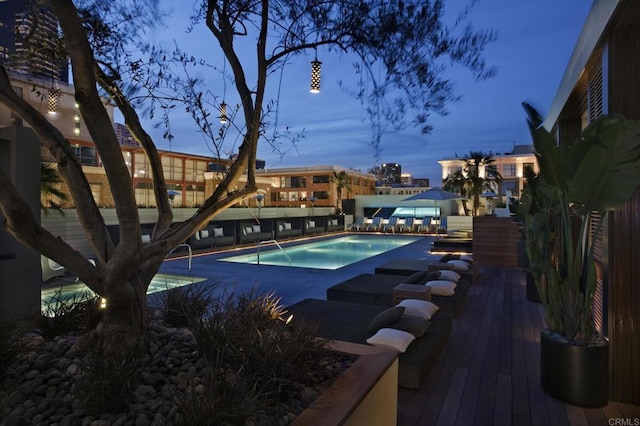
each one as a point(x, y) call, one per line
point(442, 287)
point(459, 265)
point(419, 308)
point(449, 275)
point(392, 339)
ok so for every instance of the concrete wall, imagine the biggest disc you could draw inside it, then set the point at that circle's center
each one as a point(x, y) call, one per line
point(20, 266)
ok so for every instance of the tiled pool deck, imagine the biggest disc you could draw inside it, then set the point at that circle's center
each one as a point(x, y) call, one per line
point(290, 284)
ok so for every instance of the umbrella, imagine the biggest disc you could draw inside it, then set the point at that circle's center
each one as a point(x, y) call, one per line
point(434, 194)
point(489, 194)
point(172, 193)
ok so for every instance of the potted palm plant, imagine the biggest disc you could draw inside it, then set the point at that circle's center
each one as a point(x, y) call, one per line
point(596, 174)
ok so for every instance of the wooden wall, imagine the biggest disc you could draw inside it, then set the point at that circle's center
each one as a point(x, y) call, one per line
point(497, 241)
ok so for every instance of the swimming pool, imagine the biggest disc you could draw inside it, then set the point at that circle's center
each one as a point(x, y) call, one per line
point(334, 253)
point(79, 291)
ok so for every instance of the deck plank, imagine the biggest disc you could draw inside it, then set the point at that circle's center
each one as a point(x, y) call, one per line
point(488, 373)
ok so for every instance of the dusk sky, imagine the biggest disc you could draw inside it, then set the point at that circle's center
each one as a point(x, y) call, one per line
point(535, 40)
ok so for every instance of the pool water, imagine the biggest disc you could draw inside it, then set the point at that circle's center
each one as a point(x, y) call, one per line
point(327, 254)
point(78, 291)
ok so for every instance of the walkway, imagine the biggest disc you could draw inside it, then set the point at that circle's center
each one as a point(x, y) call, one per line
point(489, 372)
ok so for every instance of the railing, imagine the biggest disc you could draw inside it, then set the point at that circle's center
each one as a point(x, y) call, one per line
point(277, 244)
point(188, 248)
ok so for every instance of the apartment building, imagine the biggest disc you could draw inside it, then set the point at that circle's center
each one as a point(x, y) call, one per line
point(510, 165)
point(313, 186)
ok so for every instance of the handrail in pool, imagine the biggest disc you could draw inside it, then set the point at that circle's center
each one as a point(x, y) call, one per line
point(188, 248)
point(277, 244)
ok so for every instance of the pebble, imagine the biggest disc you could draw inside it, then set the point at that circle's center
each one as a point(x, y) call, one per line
point(41, 389)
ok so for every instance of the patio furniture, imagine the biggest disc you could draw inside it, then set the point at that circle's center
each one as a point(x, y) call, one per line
point(392, 225)
point(358, 225)
point(425, 226)
point(212, 235)
point(288, 228)
point(375, 224)
point(406, 267)
point(378, 289)
point(408, 225)
point(350, 322)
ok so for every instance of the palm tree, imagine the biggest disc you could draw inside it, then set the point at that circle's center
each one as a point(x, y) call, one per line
point(478, 174)
point(342, 181)
point(49, 181)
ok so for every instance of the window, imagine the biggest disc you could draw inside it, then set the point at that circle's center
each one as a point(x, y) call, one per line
point(508, 170)
point(510, 185)
point(321, 195)
point(298, 182)
point(321, 179)
point(172, 168)
point(86, 155)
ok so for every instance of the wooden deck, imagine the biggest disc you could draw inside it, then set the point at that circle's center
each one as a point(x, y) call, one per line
point(489, 372)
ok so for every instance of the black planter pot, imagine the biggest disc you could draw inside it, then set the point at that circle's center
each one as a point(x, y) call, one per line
point(575, 374)
point(532, 290)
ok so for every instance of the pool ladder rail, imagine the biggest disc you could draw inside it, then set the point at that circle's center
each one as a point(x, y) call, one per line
point(277, 244)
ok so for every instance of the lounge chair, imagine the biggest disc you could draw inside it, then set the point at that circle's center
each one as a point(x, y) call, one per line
point(408, 225)
point(425, 226)
point(50, 269)
point(358, 225)
point(350, 322)
point(375, 224)
point(392, 225)
point(377, 289)
point(407, 267)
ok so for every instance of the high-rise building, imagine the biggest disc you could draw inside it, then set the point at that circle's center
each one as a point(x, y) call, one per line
point(29, 42)
point(391, 174)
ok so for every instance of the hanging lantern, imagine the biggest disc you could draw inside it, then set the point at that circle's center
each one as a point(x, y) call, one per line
point(316, 67)
point(223, 113)
point(53, 101)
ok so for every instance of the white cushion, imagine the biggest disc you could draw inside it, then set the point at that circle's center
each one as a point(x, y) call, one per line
point(197, 235)
point(311, 224)
point(248, 230)
point(146, 238)
point(442, 287)
point(419, 308)
point(280, 227)
point(459, 265)
point(287, 226)
point(256, 229)
point(449, 275)
point(392, 339)
point(204, 233)
point(218, 232)
point(466, 258)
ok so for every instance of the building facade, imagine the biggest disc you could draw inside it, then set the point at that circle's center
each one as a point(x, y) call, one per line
point(602, 78)
point(510, 165)
point(391, 174)
point(313, 186)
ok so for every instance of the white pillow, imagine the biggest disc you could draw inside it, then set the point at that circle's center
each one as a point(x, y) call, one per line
point(459, 265)
point(204, 233)
point(280, 227)
point(248, 230)
point(419, 308)
point(256, 229)
point(392, 339)
point(196, 235)
point(442, 287)
point(218, 232)
point(311, 224)
point(449, 275)
point(287, 226)
point(466, 258)
point(146, 238)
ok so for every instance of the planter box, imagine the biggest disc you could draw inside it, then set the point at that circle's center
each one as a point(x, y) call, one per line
point(575, 374)
point(365, 394)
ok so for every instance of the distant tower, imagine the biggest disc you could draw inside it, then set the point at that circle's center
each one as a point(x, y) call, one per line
point(391, 174)
point(24, 29)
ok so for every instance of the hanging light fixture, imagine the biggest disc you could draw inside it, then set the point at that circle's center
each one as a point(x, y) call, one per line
point(223, 113)
point(316, 67)
point(52, 102)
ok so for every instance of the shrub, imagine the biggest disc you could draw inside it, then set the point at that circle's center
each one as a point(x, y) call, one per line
point(263, 355)
point(78, 313)
point(183, 305)
point(109, 377)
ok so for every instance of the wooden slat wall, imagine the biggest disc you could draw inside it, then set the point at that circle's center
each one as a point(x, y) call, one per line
point(497, 241)
point(624, 236)
point(624, 303)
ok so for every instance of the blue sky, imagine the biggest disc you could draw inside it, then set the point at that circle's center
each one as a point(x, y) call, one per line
point(535, 40)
